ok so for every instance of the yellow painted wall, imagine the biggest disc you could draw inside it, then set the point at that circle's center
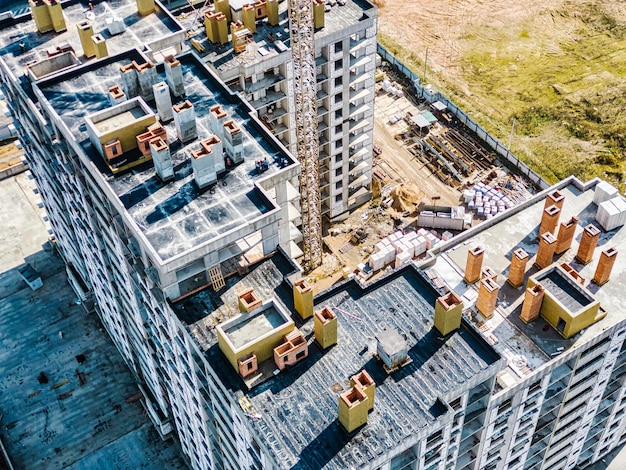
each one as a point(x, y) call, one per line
point(41, 15)
point(447, 321)
point(128, 134)
point(223, 7)
point(318, 15)
point(354, 417)
point(85, 40)
point(145, 7)
point(56, 16)
point(552, 310)
point(263, 348)
point(325, 333)
point(272, 13)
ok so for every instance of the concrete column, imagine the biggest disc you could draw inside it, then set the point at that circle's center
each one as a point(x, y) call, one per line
point(588, 243)
point(532, 303)
point(487, 297)
point(545, 253)
point(147, 78)
point(555, 198)
point(566, 235)
point(85, 31)
point(518, 268)
point(233, 138)
point(116, 95)
point(162, 159)
point(185, 121)
point(217, 118)
point(549, 220)
point(270, 238)
point(474, 264)
point(128, 74)
point(283, 223)
point(163, 101)
point(174, 76)
point(303, 298)
point(605, 265)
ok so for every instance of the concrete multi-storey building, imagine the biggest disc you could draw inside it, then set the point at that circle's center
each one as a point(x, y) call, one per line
point(345, 52)
point(172, 207)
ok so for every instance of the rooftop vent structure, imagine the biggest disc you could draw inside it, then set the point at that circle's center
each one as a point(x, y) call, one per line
point(518, 268)
point(115, 25)
point(487, 297)
point(318, 13)
point(48, 15)
point(248, 300)
point(145, 7)
point(565, 236)
point(587, 244)
point(163, 101)
point(100, 46)
point(605, 265)
point(353, 408)
point(233, 140)
point(116, 95)
point(128, 74)
point(365, 382)
point(53, 64)
point(488, 273)
point(303, 298)
point(532, 303)
point(448, 312)
point(162, 159)
point(223, 6)
point(555, 198)
point(248, 14)
point(392, 349)
point(474, 264)
point(85, 31)
point(174, 76)
point(293, 350)
point(216, 27)
point(154, 131)
point(204, 160)
point(217, 118)
point(248, 365)
point(272, 12)
point(549, 220)
point(325, 327)
point(545, 253)
point(185, 121)
point(147, 78)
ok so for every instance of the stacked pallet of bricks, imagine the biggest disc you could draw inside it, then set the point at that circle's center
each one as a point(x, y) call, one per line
point(400, 248)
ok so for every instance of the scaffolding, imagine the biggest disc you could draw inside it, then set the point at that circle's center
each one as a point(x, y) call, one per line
point(307, 146)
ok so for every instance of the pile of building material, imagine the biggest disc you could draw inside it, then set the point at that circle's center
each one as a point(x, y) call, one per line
point(611, 206)
point(486, 201)
point(399, 248)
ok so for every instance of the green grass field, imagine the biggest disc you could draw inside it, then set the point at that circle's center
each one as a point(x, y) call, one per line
point(560, 76)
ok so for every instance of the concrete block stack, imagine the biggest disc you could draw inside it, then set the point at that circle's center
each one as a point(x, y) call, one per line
point(400, 249)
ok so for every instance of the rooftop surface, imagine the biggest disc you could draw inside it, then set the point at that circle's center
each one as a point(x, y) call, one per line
point(61, 424)
point(140, 30)
point(223, 58)
point(406, 400)
point(174, 216)
point(536, 343)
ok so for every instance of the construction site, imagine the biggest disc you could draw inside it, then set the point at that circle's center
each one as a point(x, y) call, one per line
point(425, 163)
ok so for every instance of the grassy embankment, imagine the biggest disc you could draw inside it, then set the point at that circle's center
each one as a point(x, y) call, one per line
point(560, 76)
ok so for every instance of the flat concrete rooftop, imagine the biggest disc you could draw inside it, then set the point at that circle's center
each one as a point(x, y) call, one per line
point(80, 418)
point(140, 30)
point(298, 407)
point(537, 342)
point(174, 216)
point(223, 58)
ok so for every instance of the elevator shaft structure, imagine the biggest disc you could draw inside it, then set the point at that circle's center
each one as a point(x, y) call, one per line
point(307, 147)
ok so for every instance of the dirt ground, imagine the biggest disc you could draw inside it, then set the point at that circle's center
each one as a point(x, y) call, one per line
point(446, 26)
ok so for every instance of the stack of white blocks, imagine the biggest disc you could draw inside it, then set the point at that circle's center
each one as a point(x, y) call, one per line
point(400, 249)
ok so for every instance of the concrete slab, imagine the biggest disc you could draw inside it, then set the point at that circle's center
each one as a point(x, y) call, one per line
point(56, 407)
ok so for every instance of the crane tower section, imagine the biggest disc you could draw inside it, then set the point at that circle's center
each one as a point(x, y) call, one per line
point(307, 147)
